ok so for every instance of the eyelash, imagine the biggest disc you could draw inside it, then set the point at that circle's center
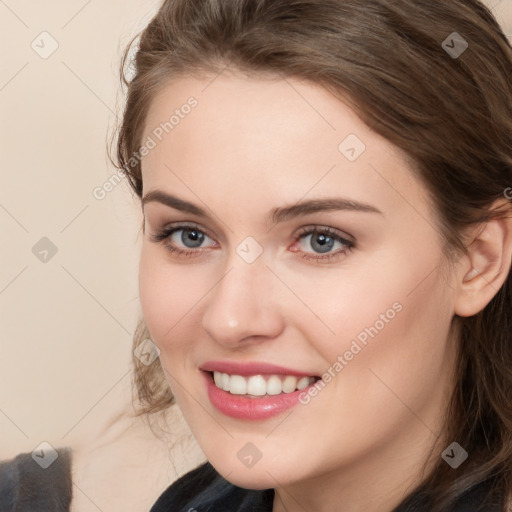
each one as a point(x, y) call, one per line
point(349, 245)
point(164, 234)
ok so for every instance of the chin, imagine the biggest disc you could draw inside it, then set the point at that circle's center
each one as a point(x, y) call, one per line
point(262, 475)
point(249, 478)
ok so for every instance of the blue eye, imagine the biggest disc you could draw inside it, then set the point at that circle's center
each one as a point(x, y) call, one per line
point(189, 237)
point(316, 243)
point(322, 241)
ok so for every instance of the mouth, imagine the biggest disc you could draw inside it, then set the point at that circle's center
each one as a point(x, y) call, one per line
point(260, 386)
point(254, 391)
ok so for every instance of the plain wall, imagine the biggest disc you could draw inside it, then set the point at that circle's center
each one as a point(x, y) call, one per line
point(67, 323)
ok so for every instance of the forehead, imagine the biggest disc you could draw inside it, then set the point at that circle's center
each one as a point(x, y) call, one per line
point(256, 138)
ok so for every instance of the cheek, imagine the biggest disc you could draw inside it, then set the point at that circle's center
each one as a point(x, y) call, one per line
point(393, 339)
point(393, 317)
point(167, 294)
point(353, 302)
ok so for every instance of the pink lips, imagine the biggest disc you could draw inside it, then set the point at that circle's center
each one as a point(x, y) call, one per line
point(250, 368)
point(243, 407)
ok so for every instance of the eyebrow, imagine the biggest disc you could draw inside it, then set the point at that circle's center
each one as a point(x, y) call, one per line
point(280, 214)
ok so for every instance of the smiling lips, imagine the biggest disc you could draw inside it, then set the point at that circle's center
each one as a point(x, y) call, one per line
point(260, 385)
point(253, 390)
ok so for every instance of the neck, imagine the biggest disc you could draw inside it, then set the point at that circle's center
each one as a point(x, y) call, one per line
point(378, 482)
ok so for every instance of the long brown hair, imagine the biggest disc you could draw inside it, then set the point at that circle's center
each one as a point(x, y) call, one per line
point(450, 112)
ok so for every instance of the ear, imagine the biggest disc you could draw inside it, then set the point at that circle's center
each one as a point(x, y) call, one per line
point(483, 270)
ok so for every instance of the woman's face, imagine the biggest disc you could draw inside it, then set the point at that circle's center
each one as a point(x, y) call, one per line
point(299, 245)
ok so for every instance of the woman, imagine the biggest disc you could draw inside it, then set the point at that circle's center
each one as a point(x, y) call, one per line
point(325, 269)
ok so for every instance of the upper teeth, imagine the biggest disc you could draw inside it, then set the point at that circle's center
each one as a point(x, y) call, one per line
point(258, 385)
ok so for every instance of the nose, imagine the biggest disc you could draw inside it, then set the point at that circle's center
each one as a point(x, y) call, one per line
point(244, 306)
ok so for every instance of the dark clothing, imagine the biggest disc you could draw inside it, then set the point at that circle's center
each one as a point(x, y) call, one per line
point(204, 490)
point(26, 486)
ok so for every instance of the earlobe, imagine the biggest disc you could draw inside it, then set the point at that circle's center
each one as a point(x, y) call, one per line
point(486, 265)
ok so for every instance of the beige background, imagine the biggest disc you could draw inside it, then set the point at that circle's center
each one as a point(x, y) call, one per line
point(67, 323)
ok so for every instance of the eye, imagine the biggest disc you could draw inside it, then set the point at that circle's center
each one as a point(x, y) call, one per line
point(322, 243)
point(315, 242)
point(185, 240)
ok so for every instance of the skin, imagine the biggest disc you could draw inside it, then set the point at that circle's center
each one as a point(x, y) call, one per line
point(252, 145)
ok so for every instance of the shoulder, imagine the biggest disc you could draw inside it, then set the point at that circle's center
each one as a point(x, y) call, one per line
point(484, 496)
point(40, 480)
point(203, 489)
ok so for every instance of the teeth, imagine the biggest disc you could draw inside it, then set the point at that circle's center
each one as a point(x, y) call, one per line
point(217, 377)
point(225, 382)
point(237, 385)
point(258, 385)
point(303, 383)
point(274, 386)
point(289, 384)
